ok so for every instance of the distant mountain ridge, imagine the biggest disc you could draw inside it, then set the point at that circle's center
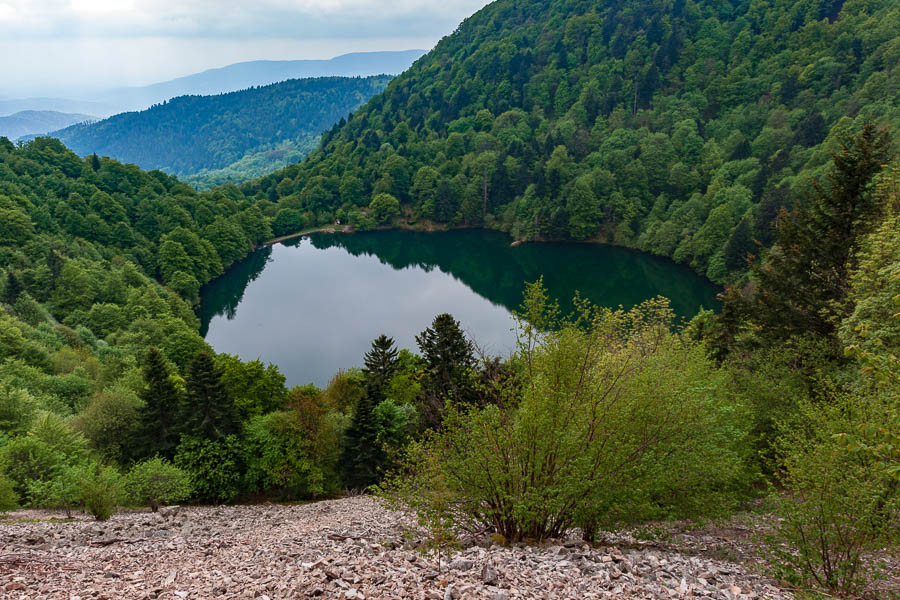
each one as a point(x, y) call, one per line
point(31, 122)
point(243, 75)
point(190, 134)
point(10, 106)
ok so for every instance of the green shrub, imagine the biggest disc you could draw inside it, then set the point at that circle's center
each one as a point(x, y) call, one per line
point(841, 493)
point(620, 420)
point(215, 467)
point(155, 482)
point(63, 491)
point(25, 459)
point(9, 500)
point(101, 490)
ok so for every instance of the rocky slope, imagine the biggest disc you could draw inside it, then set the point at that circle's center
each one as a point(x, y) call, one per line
point(351, 548)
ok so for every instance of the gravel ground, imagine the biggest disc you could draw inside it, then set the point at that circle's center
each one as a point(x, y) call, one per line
point(349, 548)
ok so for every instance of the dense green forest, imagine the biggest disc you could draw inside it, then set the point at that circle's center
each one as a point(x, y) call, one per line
point(679, 128)
point(689, 133)
point(192, 134)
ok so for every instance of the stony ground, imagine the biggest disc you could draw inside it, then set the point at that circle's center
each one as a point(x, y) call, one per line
point(350, 548)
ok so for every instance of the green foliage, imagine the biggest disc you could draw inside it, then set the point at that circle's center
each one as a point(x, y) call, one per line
point(294, 452)
point(26, 459)
point(227, 137)
point(839, 500)
point(381, 361)
point(155, 482)
point(620, 420)
point(9, 500)
point(257, 389)
point(449, 361)
point(802, 287)
point(384, 208)
point(214, 467)
point(110, 422)
point(101, 490)
point(362, 456)
point(64, 490)
point(159, 426)
point(208, 411)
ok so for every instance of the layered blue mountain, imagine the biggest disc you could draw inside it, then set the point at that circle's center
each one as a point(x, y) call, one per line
point(227, 137)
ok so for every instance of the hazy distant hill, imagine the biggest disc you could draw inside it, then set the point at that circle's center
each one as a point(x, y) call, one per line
point(29, 122)
point(262, 72)
point(61, 105)
point(190, 134)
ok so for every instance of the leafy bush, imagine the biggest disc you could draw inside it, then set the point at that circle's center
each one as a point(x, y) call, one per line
point(155, 482)
point(101, 490)
point(841, 496)
point(26, 459)
point(9, 500)
point(214, 467)
point(64, 490)
point(620, 419)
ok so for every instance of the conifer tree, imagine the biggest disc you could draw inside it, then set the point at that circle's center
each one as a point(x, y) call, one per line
point(209, 411)
point(381, 361)
point(802, 285)
point(159, 418)
point(362, 455)
point(450, 360)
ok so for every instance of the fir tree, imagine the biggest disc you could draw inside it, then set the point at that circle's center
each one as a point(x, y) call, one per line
point(802, 285)
point(450, 360)
point(739, 246)
point(381, 361)
point(209, 410)
point(362, 456)
point(95, 162)
point(158, 432)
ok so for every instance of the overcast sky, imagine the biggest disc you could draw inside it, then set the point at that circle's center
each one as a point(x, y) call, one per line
point(57, 46)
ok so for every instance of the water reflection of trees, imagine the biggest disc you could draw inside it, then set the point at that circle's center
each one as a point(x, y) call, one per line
point(485, 261)
point(222, 296)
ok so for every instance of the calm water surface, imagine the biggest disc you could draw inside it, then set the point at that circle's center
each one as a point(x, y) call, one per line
point(314, 305)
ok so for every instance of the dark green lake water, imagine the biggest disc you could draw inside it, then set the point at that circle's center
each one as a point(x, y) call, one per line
point(312, 306)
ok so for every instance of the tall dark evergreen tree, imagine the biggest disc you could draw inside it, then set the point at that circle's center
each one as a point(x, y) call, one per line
point(381, 361)
point(362, 455)
point(450, 362)
point(802, 285)
point(739, 246)
point(208, 411)
point(159, 417)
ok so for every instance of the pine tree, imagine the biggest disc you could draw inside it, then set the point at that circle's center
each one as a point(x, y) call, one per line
point(209, 410)
point(362, 455)
point(450, 361)
point(802, 285)
point(381, 361)
point(739, 245)
point(95, 162)
point(158, 433)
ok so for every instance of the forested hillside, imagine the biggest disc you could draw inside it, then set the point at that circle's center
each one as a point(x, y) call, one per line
point(680, 128)
point(190, 134)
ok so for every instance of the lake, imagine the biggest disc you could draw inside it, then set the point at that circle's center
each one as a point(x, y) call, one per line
point(313, 305)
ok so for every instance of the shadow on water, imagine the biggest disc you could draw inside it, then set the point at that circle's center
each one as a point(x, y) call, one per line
point(487, 263)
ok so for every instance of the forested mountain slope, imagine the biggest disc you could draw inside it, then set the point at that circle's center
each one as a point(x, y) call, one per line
point(677, 127)
point(191, 133)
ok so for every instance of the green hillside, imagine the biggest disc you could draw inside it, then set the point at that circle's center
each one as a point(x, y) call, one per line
point(190, 134)
point(677, 127)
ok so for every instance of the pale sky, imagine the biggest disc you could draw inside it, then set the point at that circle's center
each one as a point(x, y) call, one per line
point(59, 46)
